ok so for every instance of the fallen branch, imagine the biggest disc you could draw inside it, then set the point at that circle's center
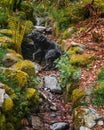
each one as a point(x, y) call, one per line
point(44, 96)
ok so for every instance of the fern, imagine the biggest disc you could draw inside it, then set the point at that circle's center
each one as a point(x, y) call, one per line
point(19, 28)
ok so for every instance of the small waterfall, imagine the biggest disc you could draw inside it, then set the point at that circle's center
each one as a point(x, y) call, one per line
point(38, 21)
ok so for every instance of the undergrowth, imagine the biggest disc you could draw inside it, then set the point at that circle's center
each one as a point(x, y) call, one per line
point(98, 92)
point(2, 53)
point(68, 73)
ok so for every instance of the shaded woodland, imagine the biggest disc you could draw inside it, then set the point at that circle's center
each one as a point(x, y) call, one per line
point(69, 96)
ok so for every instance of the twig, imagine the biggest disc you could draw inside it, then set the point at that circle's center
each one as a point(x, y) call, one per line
point(54, 104)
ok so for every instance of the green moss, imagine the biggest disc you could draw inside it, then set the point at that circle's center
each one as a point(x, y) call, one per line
point(8, 104)
point(2, 120)
point(77, 95)
point(75, 50)
point(68, 91)
point(68, 32)
point(14, 77)
point(30, 92)
point(81, 60)
point(26, 66)
point(22, 78)
point(2, 53)
point(11, 58)
point(98, 94)
point(101, 75)
point(78, 117)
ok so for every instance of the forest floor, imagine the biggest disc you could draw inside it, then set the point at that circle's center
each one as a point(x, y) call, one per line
point(93, 38)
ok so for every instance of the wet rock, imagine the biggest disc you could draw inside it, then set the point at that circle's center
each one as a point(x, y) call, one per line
point(2, 92)
point(84, 128)
point(100, 122)
point(53, 108)
point(53, 115)
point(52, 83)
point(59, 126)
point(86, 116)
point(37, 123)
point(43, 29)
point(37, 67)
point(11, 58)
point(40, 28)
point(78, 44)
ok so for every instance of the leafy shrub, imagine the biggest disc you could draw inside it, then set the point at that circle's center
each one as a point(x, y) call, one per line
point(68, 74)
point(61, 18)
point(23, 104)
point(101, 75)
point(98, 92)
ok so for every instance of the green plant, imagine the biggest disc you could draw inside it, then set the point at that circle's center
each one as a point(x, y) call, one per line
point(68, 74)
point(19, 28)
point(99, 95)
point(101, 75)
point(28, 8)
point(22, 105)
point(3, 18)
point(98, 92)
point(2, 53)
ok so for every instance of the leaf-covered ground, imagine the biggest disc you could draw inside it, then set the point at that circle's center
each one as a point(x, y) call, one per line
point(95, 47)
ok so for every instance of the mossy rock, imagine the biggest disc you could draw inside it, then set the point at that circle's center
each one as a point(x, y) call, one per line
point(10, 58)
point(69, 32)
point(9, 91)
point(30, 92)
point(26, 66)
point(75, 50)
point(78, 117)
point(82, 60)
point(68, 91)
point(16, 77)
point(8, 104)
point(77, 96)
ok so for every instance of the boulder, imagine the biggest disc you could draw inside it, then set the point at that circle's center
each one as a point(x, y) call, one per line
point(37, 123)
point(2, 92)
point(17, 77)
point(52, 83)
point(59, 126)
point(86, 116)
point(11, 58)
point(25, 66)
